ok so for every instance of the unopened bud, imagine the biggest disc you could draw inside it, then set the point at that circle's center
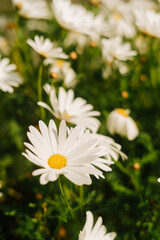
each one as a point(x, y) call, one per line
point(143, 77)
point(54, 75)
point(125, 94)
point(136, 166)
point(62, 232)
point(73, 55)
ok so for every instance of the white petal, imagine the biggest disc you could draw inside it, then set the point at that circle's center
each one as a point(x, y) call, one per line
point(62, 136)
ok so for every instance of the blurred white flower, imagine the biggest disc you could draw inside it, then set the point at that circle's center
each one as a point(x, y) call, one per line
point(96, 232)
point(111, 148)
point(76, 18)
point(46, 48)
point(75, 111)
point(120, 18)
point(4, 45)
point(38, 25)
point(61, 70)
point(114, 53)
point(111, 67)
point(141, 44)
point(148, 22)
point(32, 9)
point(70, 153)
point(115, 49)
point(158, 179)
point(119, 122)
point(143, 4)
point(79, 39)
point(9, 78)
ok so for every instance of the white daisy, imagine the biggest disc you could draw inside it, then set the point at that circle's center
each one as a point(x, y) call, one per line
point(76, 18)
point(143, 4)
point(111, 67)
point(61, 70)
point(119, 122)
point(70, 154)
point(120, 18)
point(148, 22)
point(115, 53)
point(96, 232)
point(9, 78)
point(158, 180)
point(111, 148)
point(75, 111)
point(32, 9)
point(115, 49)
point(46, 48)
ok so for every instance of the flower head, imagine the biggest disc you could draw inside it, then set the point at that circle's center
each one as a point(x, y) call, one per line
point(45, 48)
point(32, 9)
point(121, 123)
point(71, 153)
point(9, 78)
point(114, 49)
point(96, 232)
point(76, 18)
point(148, 22)
point(75, 111)
point(111, 148)
point(120, 18)
point(115, 53)
point(61, 70)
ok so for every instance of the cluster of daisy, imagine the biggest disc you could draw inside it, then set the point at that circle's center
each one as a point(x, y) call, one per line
point(79, 151)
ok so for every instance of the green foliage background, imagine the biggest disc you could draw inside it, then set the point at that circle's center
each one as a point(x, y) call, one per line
point(127, 199)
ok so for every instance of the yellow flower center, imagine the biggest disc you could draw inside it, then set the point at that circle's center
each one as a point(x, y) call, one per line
point(43, 54)
point(66, 115)
point(57, 161)
point(19, 5)
point(59, 63)
point(117, 16)
point(122, 112)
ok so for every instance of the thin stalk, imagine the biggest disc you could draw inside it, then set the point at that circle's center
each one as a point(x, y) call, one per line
point(39, 86)
point(65, 199)
point(126, 172)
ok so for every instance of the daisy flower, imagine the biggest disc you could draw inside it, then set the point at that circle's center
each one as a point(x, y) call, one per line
point(158, 180)
point(121, 123)
point(45, 48)
point(114, 49)
point(115, 53)
point(68, 152)
point(9, 78)
point(120, 18)
point(96, 232)
point(142, 4)
point(111, 148)
point(76, 18)
point(32, 9)
point(75, 111)
point(61, 70)
point(148, 22)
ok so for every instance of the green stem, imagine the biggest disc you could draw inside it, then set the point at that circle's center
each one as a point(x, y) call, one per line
point(126, 172)
point(39, 85)
point(65, 199)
